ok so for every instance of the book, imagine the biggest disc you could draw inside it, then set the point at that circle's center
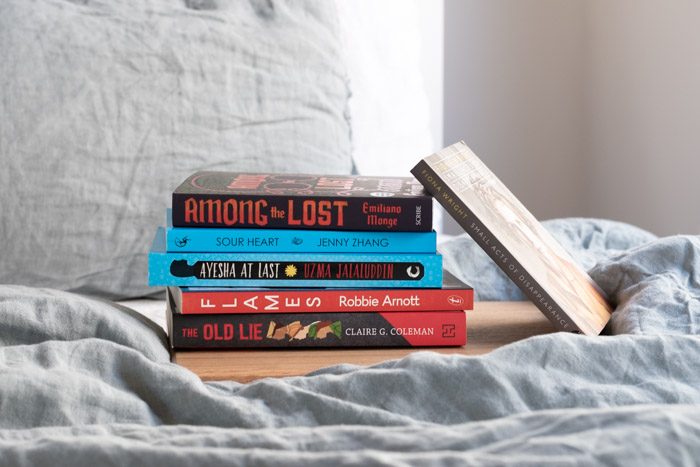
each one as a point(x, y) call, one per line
point(454, 295)
point(491, 325)
point(291, 269)
point(317, 330)
point(514, 239)
point(220, 240)
point(332, 202)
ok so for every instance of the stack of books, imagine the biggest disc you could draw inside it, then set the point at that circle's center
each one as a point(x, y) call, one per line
point(287, 261)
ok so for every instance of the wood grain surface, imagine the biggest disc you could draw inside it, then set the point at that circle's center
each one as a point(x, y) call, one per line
point(489, 326)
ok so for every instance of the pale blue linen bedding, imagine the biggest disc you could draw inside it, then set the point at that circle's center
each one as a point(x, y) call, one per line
point(84, 381)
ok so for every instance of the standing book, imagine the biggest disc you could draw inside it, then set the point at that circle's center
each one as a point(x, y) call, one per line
point(514, 239)
point(281, 201)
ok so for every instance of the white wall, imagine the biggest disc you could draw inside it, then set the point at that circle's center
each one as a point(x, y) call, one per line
point(643, 97)
point(394, 52)
point(431, 28)
point(513, 93)
point(582, 107)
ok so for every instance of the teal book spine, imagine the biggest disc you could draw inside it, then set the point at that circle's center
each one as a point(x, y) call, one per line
point(218, 240)
point(213, 240)
point(291, 269)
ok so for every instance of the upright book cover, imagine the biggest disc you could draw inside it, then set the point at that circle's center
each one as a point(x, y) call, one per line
point(220, 240)
point(280, 201)
point(454, 295)
point(514, 239)
point(317, 330)
point(290, 269)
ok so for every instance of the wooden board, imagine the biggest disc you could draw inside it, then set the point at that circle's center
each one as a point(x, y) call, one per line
point(489, 326)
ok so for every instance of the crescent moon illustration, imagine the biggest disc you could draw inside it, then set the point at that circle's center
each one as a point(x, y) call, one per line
point(413, 271)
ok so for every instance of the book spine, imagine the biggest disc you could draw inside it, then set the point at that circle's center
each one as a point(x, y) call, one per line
point(318, 330)
point(294, 270)
point(434, 184)
point(216, 240)
point(314, 301)
point(298, 212)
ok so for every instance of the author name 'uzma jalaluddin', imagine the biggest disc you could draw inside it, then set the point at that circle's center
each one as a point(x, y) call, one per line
point(306, 212)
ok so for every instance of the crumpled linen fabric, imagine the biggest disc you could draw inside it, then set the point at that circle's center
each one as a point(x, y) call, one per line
point(85, 381)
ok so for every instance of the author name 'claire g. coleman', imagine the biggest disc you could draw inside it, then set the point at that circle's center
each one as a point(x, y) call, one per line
point(417, 331)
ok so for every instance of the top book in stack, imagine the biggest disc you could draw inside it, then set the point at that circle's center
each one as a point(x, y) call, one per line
point(320, 202)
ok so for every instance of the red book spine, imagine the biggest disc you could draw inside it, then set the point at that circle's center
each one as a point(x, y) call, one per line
point(322, 300)
point(318, 330)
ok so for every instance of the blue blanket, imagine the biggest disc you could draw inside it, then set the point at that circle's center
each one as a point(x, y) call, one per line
point(84, 381)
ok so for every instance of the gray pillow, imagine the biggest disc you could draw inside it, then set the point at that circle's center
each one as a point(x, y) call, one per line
point(106, 106)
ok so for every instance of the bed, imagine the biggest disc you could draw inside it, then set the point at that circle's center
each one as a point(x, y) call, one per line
point(89, 381)
point(107, 105)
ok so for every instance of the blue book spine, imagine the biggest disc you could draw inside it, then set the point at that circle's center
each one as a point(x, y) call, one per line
point(291, 269)
point(212, 240)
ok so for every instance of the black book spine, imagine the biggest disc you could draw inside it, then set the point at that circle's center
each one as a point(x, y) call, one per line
point(434, 184)
point(299, 270)
point(303, 212)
